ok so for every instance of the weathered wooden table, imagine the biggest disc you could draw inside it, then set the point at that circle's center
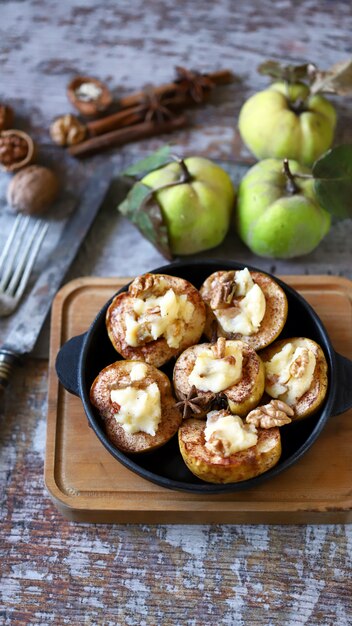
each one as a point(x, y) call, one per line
point(57, 572)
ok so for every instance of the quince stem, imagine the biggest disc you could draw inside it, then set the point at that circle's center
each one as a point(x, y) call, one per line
point(185, 174)
point(185, 177)
point(291, 185)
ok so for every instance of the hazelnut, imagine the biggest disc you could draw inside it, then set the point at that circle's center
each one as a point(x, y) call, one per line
point(33, 189)
point(67, 130)
point(16, 150)
point(6, 117)
point(89, 95)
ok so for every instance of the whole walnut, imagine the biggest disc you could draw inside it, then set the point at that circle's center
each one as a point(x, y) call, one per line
point(33, 189)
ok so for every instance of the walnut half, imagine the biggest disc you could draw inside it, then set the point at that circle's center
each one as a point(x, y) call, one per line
point(67, 130)
point(276, 413)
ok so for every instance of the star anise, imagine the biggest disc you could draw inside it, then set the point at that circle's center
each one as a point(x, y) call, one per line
point(193, 83)
point(154, 107)
point(194, 404)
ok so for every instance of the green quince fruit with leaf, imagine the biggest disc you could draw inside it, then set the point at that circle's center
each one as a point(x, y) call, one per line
point(286, 121)
point(182, 207)
point(278, 214)
point(197, 213)
point(292, 119)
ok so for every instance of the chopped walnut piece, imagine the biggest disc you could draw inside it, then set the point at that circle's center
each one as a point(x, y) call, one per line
point(219, 351)
point(223, 293)
point(142, 284)
point(276, 413)
point(219, 348)
point(299, 365)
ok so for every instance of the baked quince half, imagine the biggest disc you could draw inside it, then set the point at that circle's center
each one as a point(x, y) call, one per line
point(296, 372)
point(224, 449)
point(136, 403)
point(244, 305)
point(226, 372)
point(156, 319)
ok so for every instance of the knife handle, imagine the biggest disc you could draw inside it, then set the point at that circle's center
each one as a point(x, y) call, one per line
point(8, 362)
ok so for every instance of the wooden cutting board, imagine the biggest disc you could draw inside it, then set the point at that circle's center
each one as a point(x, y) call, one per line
point(87, 484)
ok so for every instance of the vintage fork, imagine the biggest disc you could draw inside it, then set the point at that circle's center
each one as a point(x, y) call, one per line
point(17, 260)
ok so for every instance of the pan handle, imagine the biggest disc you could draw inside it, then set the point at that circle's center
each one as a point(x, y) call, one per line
point(66, 363)
point(343, 400)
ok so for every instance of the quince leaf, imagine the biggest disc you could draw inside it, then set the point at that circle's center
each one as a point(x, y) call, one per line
point(333, 181)
point(152, 162)
point(289, 73)
point(142, 209)
point(337, 79)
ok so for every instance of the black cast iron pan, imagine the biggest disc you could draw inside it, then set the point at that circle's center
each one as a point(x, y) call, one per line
point(83, 357)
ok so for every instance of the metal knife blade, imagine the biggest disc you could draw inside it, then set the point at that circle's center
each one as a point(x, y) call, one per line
point(31, 316)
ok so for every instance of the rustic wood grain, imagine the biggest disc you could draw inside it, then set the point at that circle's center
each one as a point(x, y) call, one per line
point(53, 571)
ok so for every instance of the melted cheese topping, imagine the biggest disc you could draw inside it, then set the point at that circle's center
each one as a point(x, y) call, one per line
point(210, 373)
point(159, 316)
point(228, 434)
point(138, 371)
point(140, 409)
point(279, 381)
point(245, 319)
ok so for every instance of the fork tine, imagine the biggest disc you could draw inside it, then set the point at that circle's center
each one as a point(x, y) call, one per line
point(11, 248)
point(10, 239)
point(21, 259)
point(39, 237)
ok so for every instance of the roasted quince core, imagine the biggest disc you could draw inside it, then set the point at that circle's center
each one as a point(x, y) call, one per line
point(156, 319)
point(227, 450)
point(296, 373)
point(230, 368)
point(136, 404)
point(244, 305)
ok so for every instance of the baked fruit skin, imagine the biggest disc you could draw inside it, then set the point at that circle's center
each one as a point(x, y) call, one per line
point(155, 352)
point(242, 397)
point(113, 377)
point(238, 467)
point(275, 313)
point(314, 397)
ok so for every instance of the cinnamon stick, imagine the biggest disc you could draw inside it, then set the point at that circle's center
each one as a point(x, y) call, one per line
point(130, 115)
point(121, 119)
point(126, 135)
point(132, 108)
point(221, 77)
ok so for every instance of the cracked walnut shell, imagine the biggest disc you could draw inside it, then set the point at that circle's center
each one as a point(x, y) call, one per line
point(89, 96)
point(67, 130)
point(16, 150)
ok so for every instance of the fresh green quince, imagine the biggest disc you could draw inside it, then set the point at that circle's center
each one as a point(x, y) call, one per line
point(285, 121)
point(197, 211)
point(278, 214)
